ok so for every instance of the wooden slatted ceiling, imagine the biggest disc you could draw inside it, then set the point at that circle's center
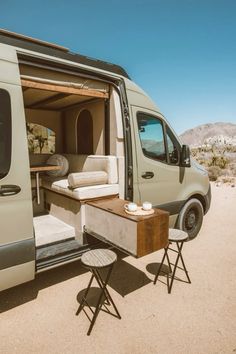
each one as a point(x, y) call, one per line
point(63, 89)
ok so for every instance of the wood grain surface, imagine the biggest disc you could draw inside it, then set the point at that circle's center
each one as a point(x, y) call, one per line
point(98, 258)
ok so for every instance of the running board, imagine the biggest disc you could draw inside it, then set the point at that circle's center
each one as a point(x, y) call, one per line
point(60, 253)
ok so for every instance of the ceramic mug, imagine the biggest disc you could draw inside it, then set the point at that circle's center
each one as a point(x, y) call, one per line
point(147, 206)
point(131, 206)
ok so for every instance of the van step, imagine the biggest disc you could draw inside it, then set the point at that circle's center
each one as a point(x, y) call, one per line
point(49, 229)
point(61, 252)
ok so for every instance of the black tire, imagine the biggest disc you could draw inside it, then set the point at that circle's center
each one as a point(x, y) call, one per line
point(191, 217)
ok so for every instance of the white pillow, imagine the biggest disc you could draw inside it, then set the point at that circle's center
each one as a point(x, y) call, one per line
point(83, 179)
point(58, 160)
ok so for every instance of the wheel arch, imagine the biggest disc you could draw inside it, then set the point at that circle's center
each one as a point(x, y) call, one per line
point(201, 200)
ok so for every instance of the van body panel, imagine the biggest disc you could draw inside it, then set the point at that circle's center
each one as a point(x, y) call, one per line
point(9, 72)
point(16, 275)
point(17, 253)
point(169, 186)
point(165, 186)
point(16, 215)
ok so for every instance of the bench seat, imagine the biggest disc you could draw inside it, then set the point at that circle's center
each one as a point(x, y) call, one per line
point(82, 193)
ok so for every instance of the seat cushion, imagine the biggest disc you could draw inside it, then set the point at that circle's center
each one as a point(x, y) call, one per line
point(102, 163)
point(82, 193)
point(82, 179)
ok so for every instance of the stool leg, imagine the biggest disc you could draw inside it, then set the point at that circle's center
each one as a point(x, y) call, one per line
point(175, 266)
point(159, 269)
point(186, 272)
point(106, 293)
point(99, 304)
point(85, 295)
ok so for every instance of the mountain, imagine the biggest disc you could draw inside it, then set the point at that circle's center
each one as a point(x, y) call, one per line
point(211, 133)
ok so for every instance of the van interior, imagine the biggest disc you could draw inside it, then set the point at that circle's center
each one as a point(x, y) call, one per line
point(74, 123)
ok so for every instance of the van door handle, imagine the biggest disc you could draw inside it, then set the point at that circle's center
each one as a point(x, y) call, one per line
point(148, 175)
point(9, 189)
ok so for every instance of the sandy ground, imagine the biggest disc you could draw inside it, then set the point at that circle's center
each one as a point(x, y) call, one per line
point(39, 317)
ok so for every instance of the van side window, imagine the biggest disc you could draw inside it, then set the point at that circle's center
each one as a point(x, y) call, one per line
point(173, 147)
point(5, 133)
point(151, 137)
point(41, 140)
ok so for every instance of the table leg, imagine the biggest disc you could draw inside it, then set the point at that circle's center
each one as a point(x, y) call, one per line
point(37, 188)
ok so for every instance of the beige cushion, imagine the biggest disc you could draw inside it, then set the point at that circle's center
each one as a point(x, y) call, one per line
point(82, 179)
point(102, 163)
point(83, 193)
point(58, 160)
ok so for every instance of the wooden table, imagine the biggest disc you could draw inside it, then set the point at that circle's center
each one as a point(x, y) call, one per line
point(42, 168)
point(139, 235)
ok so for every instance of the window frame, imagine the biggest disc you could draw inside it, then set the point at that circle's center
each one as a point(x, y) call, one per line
point(165, 128)
point(164, 135)
point(8, 139)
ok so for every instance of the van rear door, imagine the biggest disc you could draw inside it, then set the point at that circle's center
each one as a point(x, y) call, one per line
point(17, 245)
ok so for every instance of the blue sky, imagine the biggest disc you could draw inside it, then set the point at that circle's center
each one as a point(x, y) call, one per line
point(181, 52)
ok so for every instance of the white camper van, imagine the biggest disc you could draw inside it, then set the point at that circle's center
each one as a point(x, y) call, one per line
point(74, 129)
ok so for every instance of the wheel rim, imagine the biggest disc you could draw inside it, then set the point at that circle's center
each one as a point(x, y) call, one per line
point(192, 219)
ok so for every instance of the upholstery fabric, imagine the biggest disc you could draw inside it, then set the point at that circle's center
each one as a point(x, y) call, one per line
point(61, 161)
point(83, 193)
point(102, 163)
point(82, 179)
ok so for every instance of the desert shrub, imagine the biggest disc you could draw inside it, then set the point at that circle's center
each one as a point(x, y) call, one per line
point(232, 168)
point(218, 161)
point(214, 172)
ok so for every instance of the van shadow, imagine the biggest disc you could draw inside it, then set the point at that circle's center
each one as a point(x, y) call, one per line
point(124, 279)
point(24, 293)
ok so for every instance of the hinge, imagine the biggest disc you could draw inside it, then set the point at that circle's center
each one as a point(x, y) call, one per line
point(130, 171)
point(126, 111)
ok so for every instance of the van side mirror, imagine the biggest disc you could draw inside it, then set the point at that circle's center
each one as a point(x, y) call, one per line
point(185, 156)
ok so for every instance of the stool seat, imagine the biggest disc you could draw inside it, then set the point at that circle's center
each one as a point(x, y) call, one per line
point(176, 235)
point(98, 258)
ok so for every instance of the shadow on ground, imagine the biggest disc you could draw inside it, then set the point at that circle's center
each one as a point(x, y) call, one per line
point(125, 279)
point(29, 291)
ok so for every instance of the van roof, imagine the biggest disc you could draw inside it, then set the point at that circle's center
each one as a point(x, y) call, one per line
point(29, 43)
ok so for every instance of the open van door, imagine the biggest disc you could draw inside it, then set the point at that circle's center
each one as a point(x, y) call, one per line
point(17, 245)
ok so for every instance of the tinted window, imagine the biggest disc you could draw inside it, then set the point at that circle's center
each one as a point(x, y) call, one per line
point(151, 137)
point(173, 147)
point(5, 133)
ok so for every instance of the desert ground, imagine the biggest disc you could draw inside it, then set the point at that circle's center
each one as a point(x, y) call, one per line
point(39, 317)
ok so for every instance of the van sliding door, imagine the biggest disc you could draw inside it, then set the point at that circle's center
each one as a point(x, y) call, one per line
point(17, 246)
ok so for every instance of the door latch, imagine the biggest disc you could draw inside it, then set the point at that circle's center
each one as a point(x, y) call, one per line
point(148, 174)
point(9, 189)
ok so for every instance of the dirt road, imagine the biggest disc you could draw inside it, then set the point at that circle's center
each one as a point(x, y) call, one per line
point(39, 317)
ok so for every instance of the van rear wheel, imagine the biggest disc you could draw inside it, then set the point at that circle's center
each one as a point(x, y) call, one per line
point(191, 217)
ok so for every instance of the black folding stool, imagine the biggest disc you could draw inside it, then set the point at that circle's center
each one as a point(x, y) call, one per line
point(95, 260)
point(178, 237)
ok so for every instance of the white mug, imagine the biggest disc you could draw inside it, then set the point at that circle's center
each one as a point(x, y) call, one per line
point(131, 206)
point(147, 206)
